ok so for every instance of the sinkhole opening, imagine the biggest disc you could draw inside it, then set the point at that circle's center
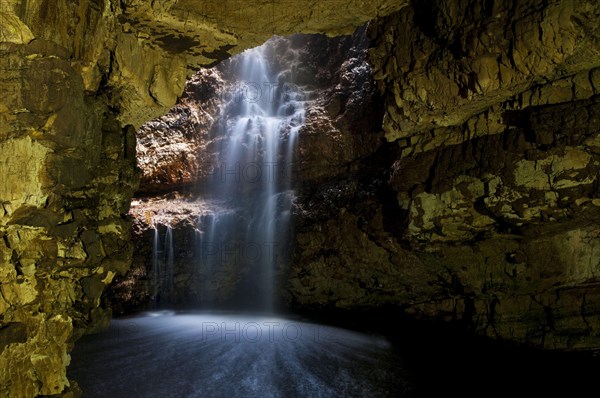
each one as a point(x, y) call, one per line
point(215, 212)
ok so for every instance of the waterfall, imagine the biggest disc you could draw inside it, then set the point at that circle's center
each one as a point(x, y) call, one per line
point(169, 265)
point(163, 267)
point(249, 233)
point(155, 266)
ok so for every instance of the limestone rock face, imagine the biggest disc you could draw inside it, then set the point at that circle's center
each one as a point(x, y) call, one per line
point(495, 117)
point(457, 59)
point(487, 190)
point(171, 149)
point(68, 170)
point(342, 109)
point(76, 78)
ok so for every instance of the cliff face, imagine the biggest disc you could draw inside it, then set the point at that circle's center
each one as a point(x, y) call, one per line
point(76, 78)
point(484, 205)
point(172, 151)
point(504, 106)
point(68, 172)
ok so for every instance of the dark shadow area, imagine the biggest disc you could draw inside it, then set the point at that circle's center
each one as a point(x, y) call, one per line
point(444, 359)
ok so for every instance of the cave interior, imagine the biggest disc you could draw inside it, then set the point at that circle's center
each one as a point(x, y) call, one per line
point(385, 198)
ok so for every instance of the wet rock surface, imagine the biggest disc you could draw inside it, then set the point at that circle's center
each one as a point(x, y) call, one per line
point(172, 150)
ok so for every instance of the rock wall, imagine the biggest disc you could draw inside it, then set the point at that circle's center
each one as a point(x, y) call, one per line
point(459, 59)
point(483, 207)
point(172, 151)
point(76, 78)
point(68, 172)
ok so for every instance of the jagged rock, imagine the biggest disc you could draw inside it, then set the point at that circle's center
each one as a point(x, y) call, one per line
point(338, 129)
point(492, 179)
point(450, 68)
point(171, 150)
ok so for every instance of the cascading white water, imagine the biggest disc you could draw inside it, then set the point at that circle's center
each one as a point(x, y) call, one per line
point(169, 265)
point(163, 267)
point(156, 272)
point(252, 181)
